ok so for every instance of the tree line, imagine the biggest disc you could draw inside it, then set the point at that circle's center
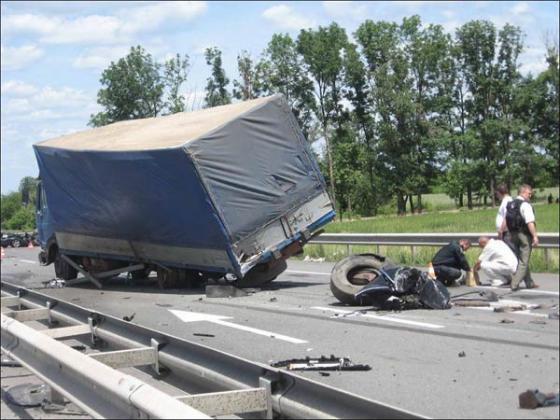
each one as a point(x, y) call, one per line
point(403, 109)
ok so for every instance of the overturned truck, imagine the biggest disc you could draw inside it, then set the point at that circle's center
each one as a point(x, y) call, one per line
point(227, 191)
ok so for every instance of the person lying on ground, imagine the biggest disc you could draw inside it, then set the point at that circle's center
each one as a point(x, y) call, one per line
point(497, 261)
point(450, 264)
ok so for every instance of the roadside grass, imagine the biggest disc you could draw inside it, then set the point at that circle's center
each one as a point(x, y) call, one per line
point(442, 222)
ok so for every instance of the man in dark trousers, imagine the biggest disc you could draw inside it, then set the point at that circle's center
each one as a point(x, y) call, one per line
point(520, 219)
point(450, 264)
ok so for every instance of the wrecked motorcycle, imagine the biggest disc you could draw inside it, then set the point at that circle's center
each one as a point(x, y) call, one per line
point(369, 279)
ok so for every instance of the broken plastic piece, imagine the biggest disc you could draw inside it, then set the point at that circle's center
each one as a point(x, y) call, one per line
point(321, 363)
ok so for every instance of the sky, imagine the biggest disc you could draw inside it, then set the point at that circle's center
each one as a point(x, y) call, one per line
point(53, 53)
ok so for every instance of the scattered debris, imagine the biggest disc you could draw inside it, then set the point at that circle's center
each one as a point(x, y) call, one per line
point(537, 321)
point(324, 373)
point(129, 318)
point(8, 362)
point(54, 283)
point(310, 259)
point(79, 347)
point(164, 305)
point(471, 302)
point(512, 379)
point(223, 291)
point(126, 297)
point(462, 354)
point(272, 299)
point(204, 335)
point(321, 363)
point(506, 321)
point(532, 399)
point(28, 395)
point(553, 315)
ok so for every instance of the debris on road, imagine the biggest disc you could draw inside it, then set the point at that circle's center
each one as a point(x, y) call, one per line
point(462, 354)
point(321, 363)
point(223, 291)
point(506, 321)
point(203, 335)
point(28, 395)
point(9, 362)
point(129, 318)
point(324, 373)
point(537, 321)
point(532, 399)
point(54, 283)
point(272, 299)
point(553, 315)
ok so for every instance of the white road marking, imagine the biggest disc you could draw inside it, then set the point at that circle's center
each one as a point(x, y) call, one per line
point(28, 261)
point(538, 291)
point(524, 312)
point(504, 303)
point(384, 318)
point(307, 272)
point(187, 316)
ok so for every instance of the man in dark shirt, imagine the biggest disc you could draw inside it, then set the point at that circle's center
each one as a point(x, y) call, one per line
point(450, 264)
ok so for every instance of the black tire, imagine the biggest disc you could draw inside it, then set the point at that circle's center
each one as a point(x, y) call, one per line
point(262, 274)
point(167, 279)
point(63, 270)
point(140, 274)
point(16, 243)
point(351, 274)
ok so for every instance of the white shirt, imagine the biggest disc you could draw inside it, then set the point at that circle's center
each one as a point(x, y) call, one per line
point(526, 211)
point(498, 251)
point(502, 211)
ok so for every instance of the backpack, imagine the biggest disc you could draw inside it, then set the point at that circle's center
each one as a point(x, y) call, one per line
point(514, 218)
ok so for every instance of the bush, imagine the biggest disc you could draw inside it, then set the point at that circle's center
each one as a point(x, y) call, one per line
point(22, 219)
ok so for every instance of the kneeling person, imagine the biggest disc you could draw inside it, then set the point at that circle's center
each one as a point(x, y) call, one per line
point(497, 261)
point(450, 264)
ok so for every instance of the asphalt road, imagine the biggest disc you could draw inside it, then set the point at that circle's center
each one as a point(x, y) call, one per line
point(414, 354)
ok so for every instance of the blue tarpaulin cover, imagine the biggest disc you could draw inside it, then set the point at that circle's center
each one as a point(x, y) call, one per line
point(203, 179)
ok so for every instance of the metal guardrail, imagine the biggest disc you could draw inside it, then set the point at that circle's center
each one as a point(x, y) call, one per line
point(203, 368)
point(547, 241)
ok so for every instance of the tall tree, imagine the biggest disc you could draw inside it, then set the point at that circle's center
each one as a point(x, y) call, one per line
point(28, 190)
point(133, 88)
point(175, 74)
point(281, 70)
point(249, 86)
point(216, 87)
point(322, 52)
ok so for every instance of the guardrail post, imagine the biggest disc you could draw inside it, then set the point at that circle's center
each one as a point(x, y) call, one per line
point(413, 252)
point(546, 259)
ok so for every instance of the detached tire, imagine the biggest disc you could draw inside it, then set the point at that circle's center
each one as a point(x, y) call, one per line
point(262, 274)
point(351, 274)
point(63, 270)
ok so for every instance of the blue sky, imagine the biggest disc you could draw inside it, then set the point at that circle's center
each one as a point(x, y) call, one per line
point(53, 53)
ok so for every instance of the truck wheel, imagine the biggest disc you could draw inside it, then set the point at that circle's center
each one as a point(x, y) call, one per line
point(167, 279)
point(140, 274)
point(262, 274)
point(351, 274)
point(63, 270)
point(16, 243)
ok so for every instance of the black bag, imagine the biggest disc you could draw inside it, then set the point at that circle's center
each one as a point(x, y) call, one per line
point(514, 218)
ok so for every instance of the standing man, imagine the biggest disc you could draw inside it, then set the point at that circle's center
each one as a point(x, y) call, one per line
point(502, 193)
point(497, 261)
point(450, 264)
point(520, 220)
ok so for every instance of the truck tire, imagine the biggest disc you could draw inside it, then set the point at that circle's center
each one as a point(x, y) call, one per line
point(262, 274)
point(167, 279)
point(63, 270)
point(140, 274)
point(351, 274)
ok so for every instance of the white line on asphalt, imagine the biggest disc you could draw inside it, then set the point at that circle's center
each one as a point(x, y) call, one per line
point(538, 291)
point(384, 318)
point(524, 312)
point(307, 272)
point(188, 316)
point(28, 261)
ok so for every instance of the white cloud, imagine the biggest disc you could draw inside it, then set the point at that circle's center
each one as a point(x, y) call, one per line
point(17, 88)
point(341, 9)
point(101, 29)
point(99, 57)
point(15, 58)
point(284, 17)
point(520, 8)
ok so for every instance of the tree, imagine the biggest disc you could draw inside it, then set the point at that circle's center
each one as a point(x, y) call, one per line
point(175, 74)
point(321, 50)
point(10, 204)
point(281, 70)
point(216, 87)
point(133, 88)
point(249, 86)
point(28, 190)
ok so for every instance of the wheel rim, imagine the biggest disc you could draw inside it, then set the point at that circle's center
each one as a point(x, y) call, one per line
point(360, 276)
point(16, 244)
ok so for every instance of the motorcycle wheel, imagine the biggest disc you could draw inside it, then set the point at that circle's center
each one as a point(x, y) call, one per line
point(351, 274)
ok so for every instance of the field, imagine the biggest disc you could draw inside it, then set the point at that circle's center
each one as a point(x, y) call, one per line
point(444, 222)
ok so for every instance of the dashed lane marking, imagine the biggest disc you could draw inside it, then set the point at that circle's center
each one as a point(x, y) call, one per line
point(28, 261)
point(384, 318)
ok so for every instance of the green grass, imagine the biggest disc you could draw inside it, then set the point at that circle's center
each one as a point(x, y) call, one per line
point(443, 222)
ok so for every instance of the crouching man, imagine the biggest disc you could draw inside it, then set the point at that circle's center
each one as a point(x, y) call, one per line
point(450, 264)
point(497, 261)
